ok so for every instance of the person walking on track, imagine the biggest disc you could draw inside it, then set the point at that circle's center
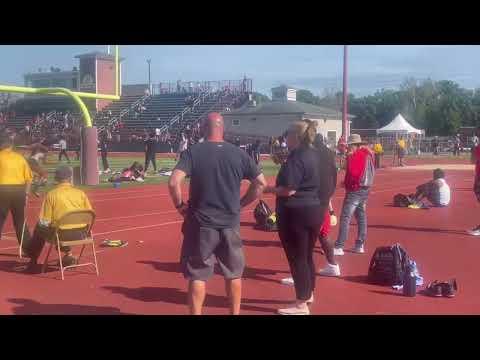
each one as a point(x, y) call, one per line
point(212, 216)
point(63, 149)
point(359, 175)
point(150, 152)
point(15, 183)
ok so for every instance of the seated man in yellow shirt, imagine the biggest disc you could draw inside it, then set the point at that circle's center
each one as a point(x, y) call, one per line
point(62, 199)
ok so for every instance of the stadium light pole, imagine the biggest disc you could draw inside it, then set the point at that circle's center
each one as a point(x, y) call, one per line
point(149, 81)
point(345, 127)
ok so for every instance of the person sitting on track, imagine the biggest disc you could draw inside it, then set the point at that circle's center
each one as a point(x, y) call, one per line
point(132, 173)
point(437, 191)
point(62, 199)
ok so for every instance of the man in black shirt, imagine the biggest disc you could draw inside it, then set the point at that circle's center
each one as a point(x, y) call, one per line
point(150, 152)
point(212, 215)
point(104, 153)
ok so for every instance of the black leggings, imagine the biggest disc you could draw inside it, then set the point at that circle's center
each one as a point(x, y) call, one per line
point(298, 229)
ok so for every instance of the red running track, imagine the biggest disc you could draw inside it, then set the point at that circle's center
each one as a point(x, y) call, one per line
point(144, 278)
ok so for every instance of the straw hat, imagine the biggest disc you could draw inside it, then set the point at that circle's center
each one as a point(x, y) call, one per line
point(354, 139)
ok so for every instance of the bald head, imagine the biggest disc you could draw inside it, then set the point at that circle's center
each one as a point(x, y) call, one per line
point(214, 127)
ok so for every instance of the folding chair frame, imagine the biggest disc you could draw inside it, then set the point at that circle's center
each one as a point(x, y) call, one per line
point(84, 242)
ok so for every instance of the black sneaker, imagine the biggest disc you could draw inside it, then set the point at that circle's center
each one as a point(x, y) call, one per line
point(449, 288)
point(434, 289)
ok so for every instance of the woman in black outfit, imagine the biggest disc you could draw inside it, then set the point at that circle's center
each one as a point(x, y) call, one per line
point(300, 211)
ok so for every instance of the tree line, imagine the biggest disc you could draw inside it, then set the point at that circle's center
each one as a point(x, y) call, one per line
point(438, 107)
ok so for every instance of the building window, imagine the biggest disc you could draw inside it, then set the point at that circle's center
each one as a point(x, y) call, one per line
point(235, 122)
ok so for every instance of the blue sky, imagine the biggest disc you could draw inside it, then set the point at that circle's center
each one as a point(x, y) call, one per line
point(313, 67)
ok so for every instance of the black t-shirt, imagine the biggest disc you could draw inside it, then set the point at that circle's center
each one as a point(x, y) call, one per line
point(216, 170)
point(328, 178)
point(302, 173)
point(150, 145)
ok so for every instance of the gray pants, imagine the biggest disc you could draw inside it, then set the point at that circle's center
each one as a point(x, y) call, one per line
point(355, 203)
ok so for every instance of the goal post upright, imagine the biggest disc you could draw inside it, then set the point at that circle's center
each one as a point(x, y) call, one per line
point(89, 160)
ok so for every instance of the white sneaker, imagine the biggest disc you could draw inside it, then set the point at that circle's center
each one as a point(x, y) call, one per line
point(475, 231)
point(358, 250)
point(288, 281)
point(338, 252)
point(295, 310)
point(330, 270)
point(108, 171)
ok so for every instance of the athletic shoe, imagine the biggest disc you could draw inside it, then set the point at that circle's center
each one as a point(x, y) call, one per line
point(288, 281)
point(295, 310)
point(475, 231)
point(311, 300)
point(358, 250)
point(449, 288)
point(330, 270)
point(108, 171)
point(338, 252)
point(434, 289)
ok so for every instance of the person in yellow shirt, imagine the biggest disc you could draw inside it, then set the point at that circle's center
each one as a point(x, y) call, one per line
point(60, 200)
point(378, 151)
point(401, 150)
point(15, 182)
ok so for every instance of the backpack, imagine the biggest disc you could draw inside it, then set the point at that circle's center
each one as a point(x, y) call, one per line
point(265, 218)
point(388, 265)
point(369, 173)
point(401, 200)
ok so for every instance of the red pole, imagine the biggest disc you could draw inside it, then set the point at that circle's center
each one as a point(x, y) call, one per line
point(345, 127)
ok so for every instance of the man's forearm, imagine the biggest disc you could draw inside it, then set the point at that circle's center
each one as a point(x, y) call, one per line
point(253, 193)
point(28, 186)
point(176, 194)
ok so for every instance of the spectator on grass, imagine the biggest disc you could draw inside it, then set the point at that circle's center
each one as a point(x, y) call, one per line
point(63, 149)
point(150, 152)
point(104, 152)
point(182, 146)
point(437, 191)
point(358, 180)
point(60, 200)
point(212, 216)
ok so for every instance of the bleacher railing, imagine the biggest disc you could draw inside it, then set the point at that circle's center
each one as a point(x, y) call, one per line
point(197, 87)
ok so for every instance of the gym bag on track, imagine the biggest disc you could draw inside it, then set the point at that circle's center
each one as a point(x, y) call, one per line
point(388, 265)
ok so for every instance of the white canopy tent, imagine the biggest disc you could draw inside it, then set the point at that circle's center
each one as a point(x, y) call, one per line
point(399, 125)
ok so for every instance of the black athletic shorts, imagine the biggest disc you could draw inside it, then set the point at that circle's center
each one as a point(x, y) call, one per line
point(202, 246)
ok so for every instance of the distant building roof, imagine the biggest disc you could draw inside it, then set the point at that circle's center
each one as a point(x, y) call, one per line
point(288, 107)
point(98, 55)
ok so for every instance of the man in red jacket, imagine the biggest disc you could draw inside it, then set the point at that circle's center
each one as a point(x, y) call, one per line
point(359, 175)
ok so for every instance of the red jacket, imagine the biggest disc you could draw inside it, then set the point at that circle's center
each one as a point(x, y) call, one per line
point(356, 164)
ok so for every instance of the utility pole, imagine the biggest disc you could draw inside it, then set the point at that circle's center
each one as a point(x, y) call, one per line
point(345, 124)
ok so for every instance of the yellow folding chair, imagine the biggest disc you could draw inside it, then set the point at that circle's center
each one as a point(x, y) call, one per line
point(73, 218)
